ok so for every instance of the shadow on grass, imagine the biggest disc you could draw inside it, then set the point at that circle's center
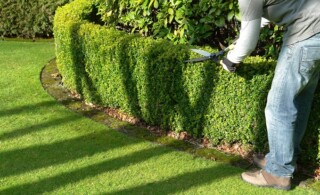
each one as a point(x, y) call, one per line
point(20, 161)
point(37, 127)
point(26, 108)
point(171, 185)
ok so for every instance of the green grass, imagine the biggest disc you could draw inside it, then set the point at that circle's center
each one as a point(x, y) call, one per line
point(47, 149)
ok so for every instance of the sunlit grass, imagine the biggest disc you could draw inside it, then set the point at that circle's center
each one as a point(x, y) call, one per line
point(48, 149)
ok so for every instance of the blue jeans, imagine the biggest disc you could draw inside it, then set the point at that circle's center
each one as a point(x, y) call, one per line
point(289, 103)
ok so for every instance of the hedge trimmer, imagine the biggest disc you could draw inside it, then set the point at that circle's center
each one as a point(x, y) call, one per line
point(210, 56)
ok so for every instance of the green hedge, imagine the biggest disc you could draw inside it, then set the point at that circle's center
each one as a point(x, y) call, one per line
point(28, 19)
point(149, 79)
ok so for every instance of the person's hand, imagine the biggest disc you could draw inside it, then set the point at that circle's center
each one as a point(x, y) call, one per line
point(228, 65)
point(232, 46)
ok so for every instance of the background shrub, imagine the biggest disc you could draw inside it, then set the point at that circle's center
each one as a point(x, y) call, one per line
point(180, 21)
point(204, 22)
point(149, 79)
point(28, 18)
point(198, 22)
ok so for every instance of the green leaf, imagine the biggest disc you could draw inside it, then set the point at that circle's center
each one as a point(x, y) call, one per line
point(170, 11)
point(151, 3)
point(182, 32)
point(230, 6)
point(220, 22)
point(156, 4)
point(230, 16)
point(171, 18)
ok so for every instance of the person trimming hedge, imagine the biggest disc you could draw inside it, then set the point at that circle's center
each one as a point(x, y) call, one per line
point(295, 80)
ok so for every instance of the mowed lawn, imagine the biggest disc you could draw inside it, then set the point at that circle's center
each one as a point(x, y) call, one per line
point(46, 148)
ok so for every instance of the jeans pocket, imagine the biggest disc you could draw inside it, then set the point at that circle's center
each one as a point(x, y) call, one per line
point(310, 59)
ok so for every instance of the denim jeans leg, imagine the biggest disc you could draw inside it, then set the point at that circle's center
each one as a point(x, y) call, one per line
point(289, 102)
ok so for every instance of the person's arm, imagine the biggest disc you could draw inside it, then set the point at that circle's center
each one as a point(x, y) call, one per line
point(251, 21)
point(248, 39)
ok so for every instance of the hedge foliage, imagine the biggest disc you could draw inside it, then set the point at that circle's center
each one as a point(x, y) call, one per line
point(149, 79)
point(28, 18)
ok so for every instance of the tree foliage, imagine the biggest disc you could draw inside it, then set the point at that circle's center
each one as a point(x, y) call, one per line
point(181, 21)
point(200, 22)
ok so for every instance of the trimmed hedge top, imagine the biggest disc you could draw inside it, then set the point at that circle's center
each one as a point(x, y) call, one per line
point(149, 79)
